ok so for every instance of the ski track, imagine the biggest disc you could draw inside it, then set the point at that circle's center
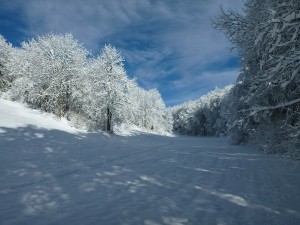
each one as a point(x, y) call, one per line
point(87, 178)
point(55, 177)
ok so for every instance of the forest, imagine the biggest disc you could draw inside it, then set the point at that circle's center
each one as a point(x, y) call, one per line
point(263, 107)
point(56, 74)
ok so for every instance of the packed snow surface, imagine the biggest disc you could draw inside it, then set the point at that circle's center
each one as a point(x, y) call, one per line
point(52, 173)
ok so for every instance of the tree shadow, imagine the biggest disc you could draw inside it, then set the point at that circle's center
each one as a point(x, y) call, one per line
point(55, 177)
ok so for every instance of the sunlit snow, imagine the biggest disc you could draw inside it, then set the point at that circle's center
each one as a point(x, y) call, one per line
point(52, 173)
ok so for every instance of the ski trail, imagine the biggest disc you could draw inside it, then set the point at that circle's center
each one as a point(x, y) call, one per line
point(65, 178)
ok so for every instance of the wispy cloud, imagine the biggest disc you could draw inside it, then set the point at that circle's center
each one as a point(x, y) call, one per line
point(194, 86)
point(165, 43)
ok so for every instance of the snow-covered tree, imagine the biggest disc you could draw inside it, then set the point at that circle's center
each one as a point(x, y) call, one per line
point(54, 73)
point(5, 53)
point(149, 110)
point(113, 98)
point(153, 110)
point(48, 69)
point(207, 116)
point(94, 101)
point(114, 85)
point(278, 43)
point(266, 97)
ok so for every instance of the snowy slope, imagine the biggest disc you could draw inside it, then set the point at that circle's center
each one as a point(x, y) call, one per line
point(14, 115)
point(54, 174)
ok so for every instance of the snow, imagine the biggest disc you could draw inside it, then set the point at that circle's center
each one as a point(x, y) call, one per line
point(132, 130)
point(52, 173)
point(14, 115)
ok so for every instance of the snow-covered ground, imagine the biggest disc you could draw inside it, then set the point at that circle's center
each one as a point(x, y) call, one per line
point(52, 173)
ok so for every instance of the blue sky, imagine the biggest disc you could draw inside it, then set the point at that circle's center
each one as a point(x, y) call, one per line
point(169, 45)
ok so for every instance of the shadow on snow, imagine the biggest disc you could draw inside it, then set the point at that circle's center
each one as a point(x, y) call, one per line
point(54, 177)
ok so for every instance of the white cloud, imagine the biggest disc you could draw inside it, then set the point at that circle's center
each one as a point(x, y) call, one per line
point(89, 20)
point(159, 39)
point(192, 87)
point(209, 78)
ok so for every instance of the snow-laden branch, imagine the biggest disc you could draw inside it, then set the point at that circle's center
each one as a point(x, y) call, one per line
point(263, 108)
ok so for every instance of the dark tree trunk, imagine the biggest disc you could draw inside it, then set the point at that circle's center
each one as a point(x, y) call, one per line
point(108, 124)
point(59, 107)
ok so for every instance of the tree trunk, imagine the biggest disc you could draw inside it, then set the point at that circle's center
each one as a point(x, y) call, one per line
point(59, 108)
point(108, 122)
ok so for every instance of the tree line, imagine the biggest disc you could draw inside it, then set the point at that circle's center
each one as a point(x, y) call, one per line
point(207, 116)
point(56, 74)
point(267, 94)
point(263, 107)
